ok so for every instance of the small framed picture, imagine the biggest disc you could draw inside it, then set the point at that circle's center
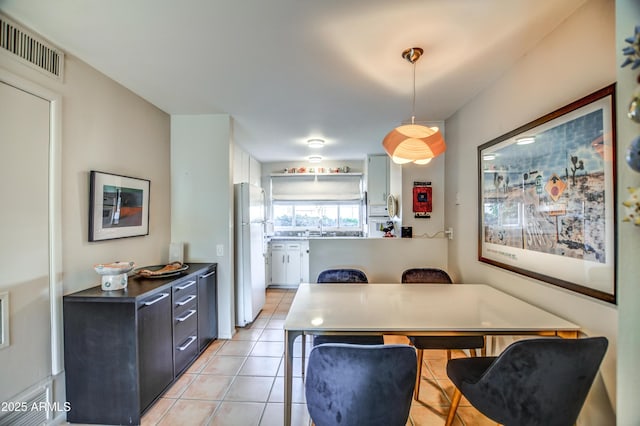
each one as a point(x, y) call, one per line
point(118, 206)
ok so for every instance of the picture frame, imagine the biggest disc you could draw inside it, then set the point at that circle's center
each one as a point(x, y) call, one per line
point(547, 198)
point(118, 206)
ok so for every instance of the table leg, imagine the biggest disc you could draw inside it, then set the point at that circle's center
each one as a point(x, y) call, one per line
point(289, 338)
point(304, 352)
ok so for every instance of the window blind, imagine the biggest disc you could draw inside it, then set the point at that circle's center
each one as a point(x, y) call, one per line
point(338, 187)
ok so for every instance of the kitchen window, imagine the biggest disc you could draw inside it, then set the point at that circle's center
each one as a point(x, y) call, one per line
point(324, 205)
point(317, 217)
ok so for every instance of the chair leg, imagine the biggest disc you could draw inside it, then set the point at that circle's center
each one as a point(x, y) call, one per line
point(455, 401)
point(448, 354)
point(416, 389)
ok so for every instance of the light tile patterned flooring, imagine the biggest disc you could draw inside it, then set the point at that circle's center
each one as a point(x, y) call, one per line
point(240, 382)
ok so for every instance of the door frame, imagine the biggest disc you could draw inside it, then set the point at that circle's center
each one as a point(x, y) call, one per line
point(55, 209)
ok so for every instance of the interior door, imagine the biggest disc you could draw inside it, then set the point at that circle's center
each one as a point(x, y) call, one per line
point(24, 188)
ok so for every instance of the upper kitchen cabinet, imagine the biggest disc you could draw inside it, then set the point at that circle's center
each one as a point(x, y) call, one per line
point(378, 179)
point(246, 168)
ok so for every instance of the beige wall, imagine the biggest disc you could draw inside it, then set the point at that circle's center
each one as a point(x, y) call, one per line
point(108, 128)
point(571, 62)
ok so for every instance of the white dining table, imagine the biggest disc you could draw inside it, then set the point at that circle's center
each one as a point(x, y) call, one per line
point(411, 310)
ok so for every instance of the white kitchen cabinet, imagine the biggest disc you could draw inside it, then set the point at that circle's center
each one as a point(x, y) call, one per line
point(377, 179)
point(289, 263)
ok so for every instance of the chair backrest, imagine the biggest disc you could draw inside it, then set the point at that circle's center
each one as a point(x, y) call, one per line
point(342, 276)
point(540, 381)
point(426, 275)
point(354, 385)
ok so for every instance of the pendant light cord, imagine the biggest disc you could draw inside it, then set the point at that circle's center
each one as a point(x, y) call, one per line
point(413, 107)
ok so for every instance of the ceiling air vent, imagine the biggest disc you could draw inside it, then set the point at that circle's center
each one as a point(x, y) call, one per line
point(31, 49)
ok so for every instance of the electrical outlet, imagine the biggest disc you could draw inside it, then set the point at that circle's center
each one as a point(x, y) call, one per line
point(219, 250)
point(449, 233)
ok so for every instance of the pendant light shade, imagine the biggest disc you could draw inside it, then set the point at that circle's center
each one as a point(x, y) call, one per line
point(413, 142)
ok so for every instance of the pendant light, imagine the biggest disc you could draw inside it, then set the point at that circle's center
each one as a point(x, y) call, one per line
point(413, 142)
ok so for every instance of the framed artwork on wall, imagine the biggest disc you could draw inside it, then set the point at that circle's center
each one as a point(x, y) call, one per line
point(118, 206)
point(547, 198)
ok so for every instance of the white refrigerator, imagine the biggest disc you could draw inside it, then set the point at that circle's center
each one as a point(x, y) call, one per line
point(250, 258)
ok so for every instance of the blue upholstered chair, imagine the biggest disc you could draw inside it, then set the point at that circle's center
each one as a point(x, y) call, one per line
point(345, 276)
point(533, 382)
point(425, 276)
point(342, 276)
point(436, 276)
point(355, 385)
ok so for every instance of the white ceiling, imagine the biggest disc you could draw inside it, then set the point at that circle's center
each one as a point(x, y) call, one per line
point(289, 70)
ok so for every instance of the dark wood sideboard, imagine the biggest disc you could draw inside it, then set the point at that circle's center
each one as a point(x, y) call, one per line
point(124, 348)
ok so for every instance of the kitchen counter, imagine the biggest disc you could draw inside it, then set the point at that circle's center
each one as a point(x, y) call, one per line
point(382, 259)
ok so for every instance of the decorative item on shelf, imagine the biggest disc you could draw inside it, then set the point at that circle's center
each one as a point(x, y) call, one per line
point(176, 252)
point(633, 154)
point(413, 142)
point(345, 169)
point(161, 271)
point(114, 274)
point(388, 229)
point(392, 206)
point(632, 52)
point(633, 112)
point(302, 170)
point(632, 206)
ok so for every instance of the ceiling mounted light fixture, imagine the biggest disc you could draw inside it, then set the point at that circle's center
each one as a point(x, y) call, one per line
point(413, 142)
point(315, 143)
point(315, 159)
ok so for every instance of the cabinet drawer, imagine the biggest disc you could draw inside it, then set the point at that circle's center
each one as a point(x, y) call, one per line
point(185, 351)
point(185, 288)
point(184, 303)
point(184, 324)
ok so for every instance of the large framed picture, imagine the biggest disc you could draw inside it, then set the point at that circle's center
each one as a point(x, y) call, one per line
point(547, 198)
point(118, 206)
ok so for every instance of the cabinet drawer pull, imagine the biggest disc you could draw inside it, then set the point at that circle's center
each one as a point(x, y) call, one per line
point(186, 300)
point(184, 318)
point(208, 275)
point(185, 285)
point(157, 299)
point(186, 345)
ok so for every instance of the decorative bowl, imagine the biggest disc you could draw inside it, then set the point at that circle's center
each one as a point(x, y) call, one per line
point(114, 274)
